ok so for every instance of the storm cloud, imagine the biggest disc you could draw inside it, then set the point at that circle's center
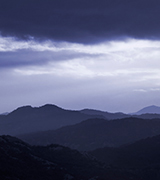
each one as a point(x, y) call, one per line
point(82, 21)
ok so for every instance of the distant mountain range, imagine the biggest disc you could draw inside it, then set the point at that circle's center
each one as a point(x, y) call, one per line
point(146, 113)
point(29, 119)
point(151, 110)
point(148, 110)
point(48, 117)
point(105, 114)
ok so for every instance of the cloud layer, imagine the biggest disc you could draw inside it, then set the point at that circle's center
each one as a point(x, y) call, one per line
point(113, 75)
point(80, 21)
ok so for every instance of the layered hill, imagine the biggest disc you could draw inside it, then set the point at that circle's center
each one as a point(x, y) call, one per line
point(29, 119)
point(150, 112)
point(97, 133)
point(137, 161)
point(19, 160)
point(143, 157)
point(105, 114)
point(48, 117)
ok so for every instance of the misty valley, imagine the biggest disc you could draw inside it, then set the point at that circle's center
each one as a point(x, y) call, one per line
point(50, 142)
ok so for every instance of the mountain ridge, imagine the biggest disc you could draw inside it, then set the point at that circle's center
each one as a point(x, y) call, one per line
point(95, 133)
point(20, 160)
point(138, 154)
point(27, 119)
point(148, 110)
point(105, 114)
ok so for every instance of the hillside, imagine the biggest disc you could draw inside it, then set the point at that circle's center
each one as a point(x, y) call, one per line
point(105, 114)
point(142, 156)
point(29, 119)
point(149, 110)
point(137, 161)
point(97, 133)
point(19, 160)
point(48, 117)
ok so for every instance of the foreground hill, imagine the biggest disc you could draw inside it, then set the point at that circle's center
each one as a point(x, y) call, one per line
point(97, 133)
point(142, 156)
point(19, 160)
point(137, 161)
point(28, 119)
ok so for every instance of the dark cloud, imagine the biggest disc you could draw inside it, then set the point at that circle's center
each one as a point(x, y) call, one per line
point(85, 21)
point(37, 58)
point(21, 58)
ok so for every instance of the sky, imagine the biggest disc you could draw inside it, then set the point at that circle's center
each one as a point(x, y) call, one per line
point(98, 54)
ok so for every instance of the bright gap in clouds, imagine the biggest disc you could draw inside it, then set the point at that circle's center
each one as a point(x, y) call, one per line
point(112, 76)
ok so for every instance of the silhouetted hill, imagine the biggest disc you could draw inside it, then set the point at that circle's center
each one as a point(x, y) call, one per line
point(19, 160)
point(147, 116)
point(29, 119)
point(119, 115)
point(149, 110)
point(143, 157)
point(96, 133)
point(48, 117)
point(137, 161)
point(107, 115)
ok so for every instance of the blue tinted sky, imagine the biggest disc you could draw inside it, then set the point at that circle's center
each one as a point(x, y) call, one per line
point(80, 54)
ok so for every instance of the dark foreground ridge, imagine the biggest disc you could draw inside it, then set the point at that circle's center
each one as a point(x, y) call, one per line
point(19, 160)
point(142, 157)
point(138, 161)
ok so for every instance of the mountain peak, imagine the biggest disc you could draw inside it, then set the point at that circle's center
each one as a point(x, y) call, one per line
point(50, 106)
point(149, 109)
point(23, 109)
